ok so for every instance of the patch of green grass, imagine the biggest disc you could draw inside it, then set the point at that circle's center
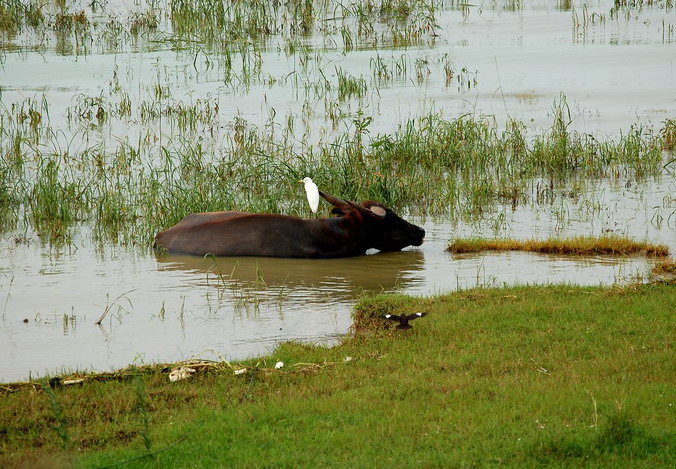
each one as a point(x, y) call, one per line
point(349, 86)
point(578, 246)
point(618, 438)
point(519, 377)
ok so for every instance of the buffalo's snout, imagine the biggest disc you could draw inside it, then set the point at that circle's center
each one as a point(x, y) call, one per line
point(415, 235)
point(419, 236)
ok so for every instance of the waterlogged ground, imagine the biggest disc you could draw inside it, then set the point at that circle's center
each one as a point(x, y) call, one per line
point(104, 87)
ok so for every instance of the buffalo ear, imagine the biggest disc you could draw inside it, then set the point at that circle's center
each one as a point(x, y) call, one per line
point(374, 208)
point(378, 210)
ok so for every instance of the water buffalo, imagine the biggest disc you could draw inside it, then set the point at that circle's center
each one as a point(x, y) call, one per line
point(355, 229)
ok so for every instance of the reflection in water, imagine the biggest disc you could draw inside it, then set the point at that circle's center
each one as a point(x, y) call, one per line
point(342, 278)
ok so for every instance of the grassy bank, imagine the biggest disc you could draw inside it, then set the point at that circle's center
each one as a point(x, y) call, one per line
point(519, 377)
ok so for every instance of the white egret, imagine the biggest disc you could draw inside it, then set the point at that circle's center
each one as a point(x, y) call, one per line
point(312, 194)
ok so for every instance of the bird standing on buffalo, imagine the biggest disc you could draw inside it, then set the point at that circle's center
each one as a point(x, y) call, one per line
point(312, 193)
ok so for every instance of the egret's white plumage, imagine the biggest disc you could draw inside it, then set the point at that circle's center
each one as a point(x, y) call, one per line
point(312, 194)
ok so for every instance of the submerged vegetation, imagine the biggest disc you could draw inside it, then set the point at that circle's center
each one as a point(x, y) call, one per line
point(135, 158)
point(431, 166)
point(563, 376)
point(578, 246)
point(222, 27)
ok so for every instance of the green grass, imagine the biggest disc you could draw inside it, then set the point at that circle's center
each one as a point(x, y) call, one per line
point(516, 377)
point(128, 191)
point(577, 246)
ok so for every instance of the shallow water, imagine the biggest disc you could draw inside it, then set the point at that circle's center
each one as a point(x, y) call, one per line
point(614, 74)
point(165, 308)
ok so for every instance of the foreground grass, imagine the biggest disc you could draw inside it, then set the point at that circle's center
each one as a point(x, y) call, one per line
point(579, 246)
point(520, 377)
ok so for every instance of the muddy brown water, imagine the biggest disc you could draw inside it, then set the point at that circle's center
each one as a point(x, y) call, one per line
point(167, 308)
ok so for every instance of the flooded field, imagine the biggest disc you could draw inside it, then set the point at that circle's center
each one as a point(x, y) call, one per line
point(526, 119)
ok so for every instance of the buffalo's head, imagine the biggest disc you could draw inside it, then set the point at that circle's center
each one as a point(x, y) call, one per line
point(381, 227)
point(392, 233)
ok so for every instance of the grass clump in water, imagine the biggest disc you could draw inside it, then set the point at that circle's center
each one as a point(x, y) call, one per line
point(10, 16)
point(665, 266)
point(668, 132)
point(579, 245)
point(14, 14)
point(664, 271)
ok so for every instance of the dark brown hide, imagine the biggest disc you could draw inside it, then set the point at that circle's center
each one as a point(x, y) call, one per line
point(356, 229)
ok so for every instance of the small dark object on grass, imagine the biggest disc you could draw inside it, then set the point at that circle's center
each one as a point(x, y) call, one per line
point(403, 319)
